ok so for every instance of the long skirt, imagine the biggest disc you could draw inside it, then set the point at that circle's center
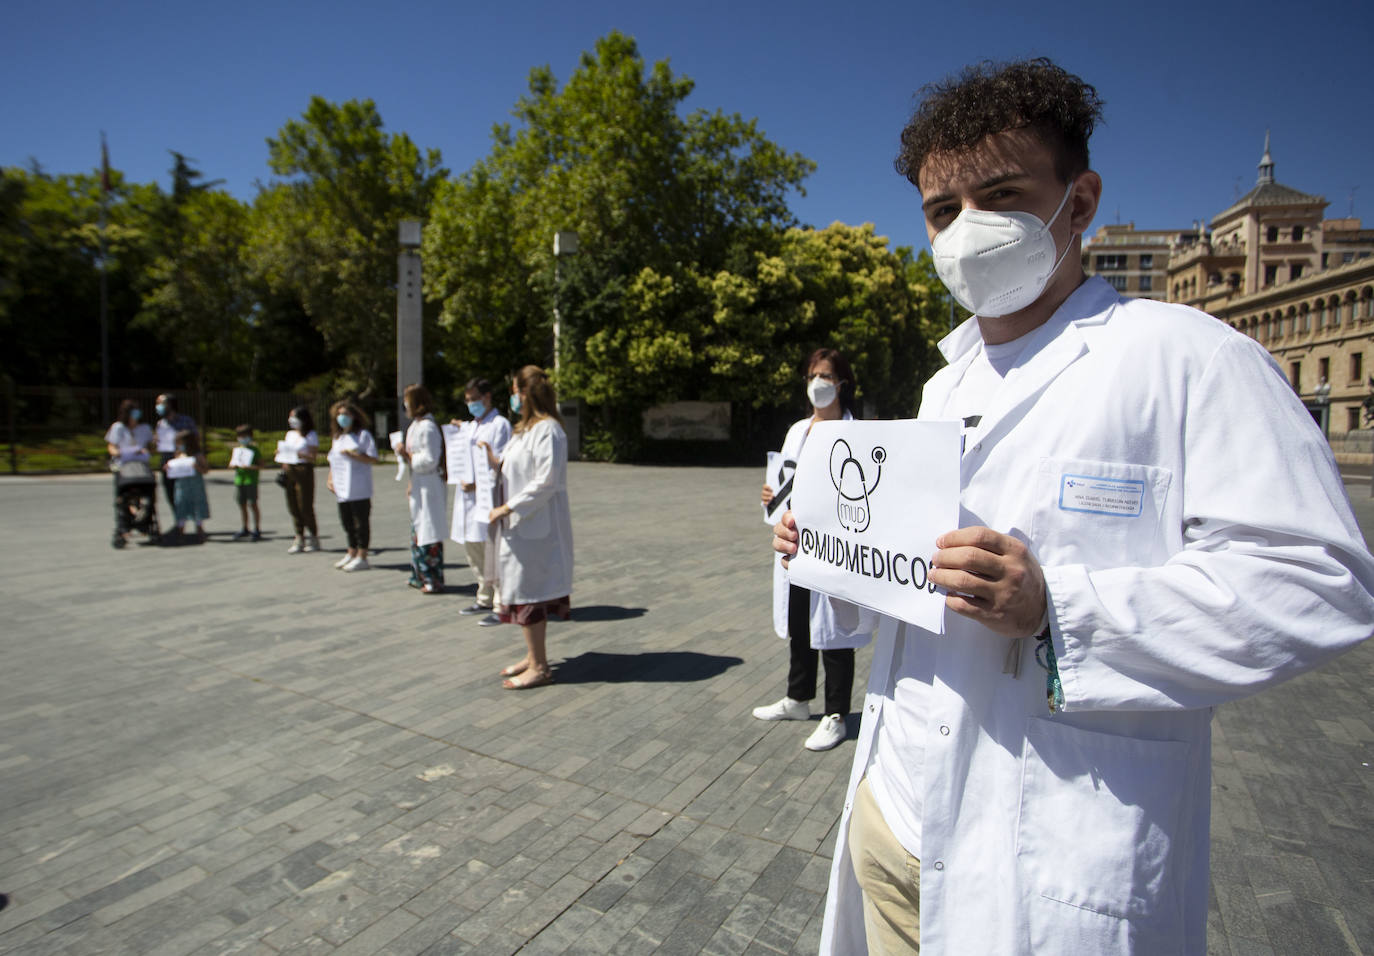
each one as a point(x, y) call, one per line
point(426, 564)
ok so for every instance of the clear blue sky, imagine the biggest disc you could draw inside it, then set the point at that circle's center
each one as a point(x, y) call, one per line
point(1190, 87)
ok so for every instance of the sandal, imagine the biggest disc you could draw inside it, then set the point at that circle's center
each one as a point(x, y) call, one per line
point(515, 669)
point(535, 679)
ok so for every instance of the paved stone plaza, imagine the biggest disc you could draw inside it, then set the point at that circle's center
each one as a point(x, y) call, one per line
point(222, 748)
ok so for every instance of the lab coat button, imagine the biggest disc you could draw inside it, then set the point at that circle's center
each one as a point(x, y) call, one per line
point(939, 864)
point(870, 708)
point(944, 731)
point(978, 447)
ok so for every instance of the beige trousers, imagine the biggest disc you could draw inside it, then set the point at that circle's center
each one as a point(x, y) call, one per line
point(477, 560)
point(889, 876)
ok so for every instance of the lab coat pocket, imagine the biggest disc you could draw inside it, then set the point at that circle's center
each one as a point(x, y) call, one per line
point(532, 525)
point(1098, 818)
point(1102, 514)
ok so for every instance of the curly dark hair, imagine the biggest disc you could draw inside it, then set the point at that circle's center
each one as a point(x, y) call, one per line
point(956, 113)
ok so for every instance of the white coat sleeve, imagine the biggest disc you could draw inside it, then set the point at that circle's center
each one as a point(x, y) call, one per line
point(544, 448)
point(1273, 578)
point(424, 455)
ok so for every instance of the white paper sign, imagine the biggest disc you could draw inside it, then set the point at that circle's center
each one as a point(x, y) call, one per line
point(287, 456)
point(339, 468)
point(396, 439)
point(777, 474)
point(870, 498)
point(181, 467)
point(240, 457)
point(456, 448)
point(166, 437)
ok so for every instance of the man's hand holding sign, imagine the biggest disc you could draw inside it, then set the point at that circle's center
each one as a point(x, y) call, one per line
point(868, 501)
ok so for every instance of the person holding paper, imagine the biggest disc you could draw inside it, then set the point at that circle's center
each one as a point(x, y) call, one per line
point(807, 620)
point(296, 454)
point(535, 523)
point(423, 453)
point(186, 467)
point(478, 492)
point(169, 422)
point(352, 453)
point(1037, 778)
point(244, 461)
point(127, 439)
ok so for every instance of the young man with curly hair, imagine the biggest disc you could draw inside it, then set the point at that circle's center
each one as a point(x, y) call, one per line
point(1150, 525)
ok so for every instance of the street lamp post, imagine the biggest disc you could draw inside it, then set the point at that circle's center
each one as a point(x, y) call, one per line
point(409, 326)
point(564, 244)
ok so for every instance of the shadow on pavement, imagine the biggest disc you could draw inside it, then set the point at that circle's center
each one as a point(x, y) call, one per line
point(674, 667)
point(606, 612)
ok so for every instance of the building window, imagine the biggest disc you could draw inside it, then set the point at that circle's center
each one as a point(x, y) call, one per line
point(1352, 418)
point(1323, 370)
point(1297, 233)
point(1106, 263)
point(1347, 257)
point(1295, 271)
point(1271, 273)
point(1146, 283)
point(1147, 262)
point(1117, 282)
point(1356, 366)
point(1295, 376)
point(1272, 234)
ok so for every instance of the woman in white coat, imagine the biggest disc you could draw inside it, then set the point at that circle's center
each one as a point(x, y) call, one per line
point(423, 451)
point(536, 556)
point(478, 495)
point(805, 619)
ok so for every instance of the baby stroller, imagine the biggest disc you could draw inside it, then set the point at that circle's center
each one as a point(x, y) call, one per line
point(135, 502)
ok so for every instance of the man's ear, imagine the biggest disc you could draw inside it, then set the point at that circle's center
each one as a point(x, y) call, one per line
point(1087, 192)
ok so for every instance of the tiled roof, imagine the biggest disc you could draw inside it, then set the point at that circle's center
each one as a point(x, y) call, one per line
point(1270, 194)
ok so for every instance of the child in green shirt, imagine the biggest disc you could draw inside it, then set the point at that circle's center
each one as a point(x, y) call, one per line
point(246, 482)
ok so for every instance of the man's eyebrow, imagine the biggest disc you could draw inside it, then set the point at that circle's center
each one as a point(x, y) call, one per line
point(985, 184)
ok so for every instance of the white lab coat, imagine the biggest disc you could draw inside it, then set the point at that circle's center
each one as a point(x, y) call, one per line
point(494, 429)
point(1086, 831)
point(425, 444)
point(835, 624)
point(536, 539)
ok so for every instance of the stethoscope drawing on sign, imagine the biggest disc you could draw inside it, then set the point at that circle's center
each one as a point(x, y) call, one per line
point(851, 484)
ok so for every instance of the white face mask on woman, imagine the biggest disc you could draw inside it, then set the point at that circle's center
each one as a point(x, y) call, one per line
point(997, 263)
point(821, 393)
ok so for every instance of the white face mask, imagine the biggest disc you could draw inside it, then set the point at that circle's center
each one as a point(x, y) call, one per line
point(821, 393)
point(997, 263)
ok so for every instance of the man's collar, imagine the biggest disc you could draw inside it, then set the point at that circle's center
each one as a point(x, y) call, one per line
point(1092, 298)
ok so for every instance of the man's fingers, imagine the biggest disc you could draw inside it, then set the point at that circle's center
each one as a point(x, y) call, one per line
point(974, 560)
point(963, 583)
point(976, 536)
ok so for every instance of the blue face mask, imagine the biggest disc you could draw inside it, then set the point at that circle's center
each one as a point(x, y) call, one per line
point(181, 449)
point(477, 409)
point(345, 421)
point(515, 403)
point(162, 409)
point(245, 440)
point(135, 414)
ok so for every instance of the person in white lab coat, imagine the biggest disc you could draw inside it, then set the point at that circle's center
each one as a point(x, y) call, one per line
point(801, 617)
point(1136, 546)
point(423, 452)
point(477, 495)
point(535, 521)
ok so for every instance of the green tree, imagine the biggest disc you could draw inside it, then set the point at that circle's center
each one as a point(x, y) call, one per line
point(610, 156)
point(327, 234)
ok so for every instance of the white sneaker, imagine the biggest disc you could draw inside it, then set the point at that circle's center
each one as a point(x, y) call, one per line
point(345, 560)
point(296, 546)
point(829, 733)
point(357, 564)
point(785, 709)
point(312, 543)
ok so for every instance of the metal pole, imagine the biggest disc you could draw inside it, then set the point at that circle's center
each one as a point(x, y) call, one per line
point(557, 288)
point(104, 323)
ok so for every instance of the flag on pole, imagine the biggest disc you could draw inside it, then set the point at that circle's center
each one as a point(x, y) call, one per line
point(104, 164)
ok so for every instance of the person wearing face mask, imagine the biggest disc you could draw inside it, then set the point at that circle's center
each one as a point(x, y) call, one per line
point(1036, 778)
point(299, 478)
point(246, 484)
point(129, 441)
point(805, 619)
point(169, 422)
point(535, 523)
point(476, 498)
point(423, 451)
point(352, 453)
